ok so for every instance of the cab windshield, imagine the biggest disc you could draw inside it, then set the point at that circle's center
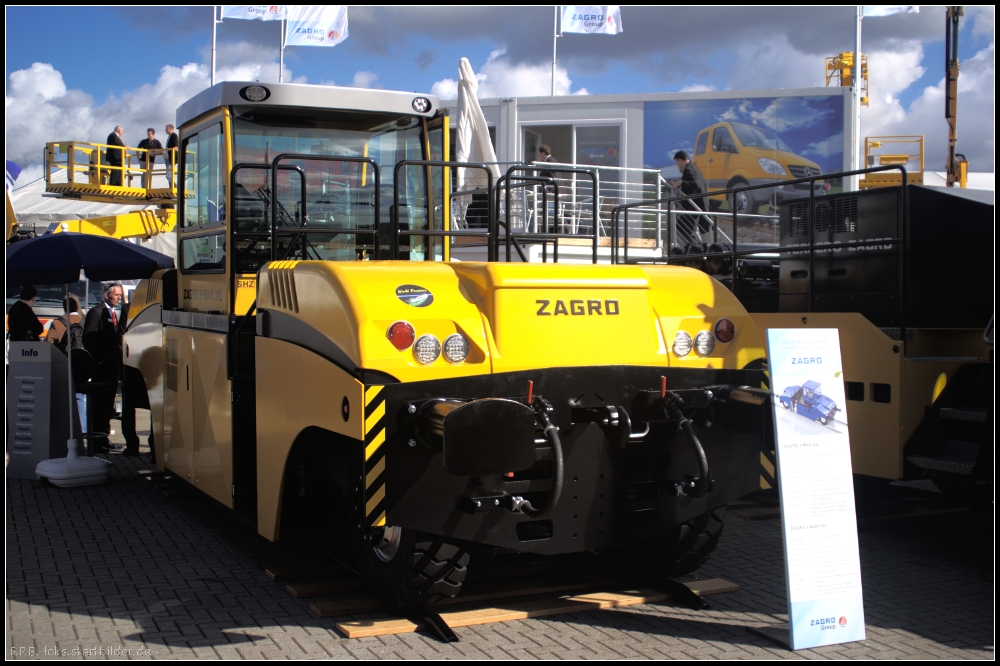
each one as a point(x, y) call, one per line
point(322, 192)
point(756, 137)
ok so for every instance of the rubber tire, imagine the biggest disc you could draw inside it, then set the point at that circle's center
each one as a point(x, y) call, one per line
point(751, 201)
point(685, 548)
point(425, 570)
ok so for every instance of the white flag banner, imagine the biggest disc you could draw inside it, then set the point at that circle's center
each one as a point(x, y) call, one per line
point(592, 19)
point(255, 12)
point(887, 10)
point(316, 25)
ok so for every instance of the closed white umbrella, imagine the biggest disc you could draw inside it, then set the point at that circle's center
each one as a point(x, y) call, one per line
point(472, 135)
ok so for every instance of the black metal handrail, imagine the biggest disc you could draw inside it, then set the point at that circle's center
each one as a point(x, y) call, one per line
point(376, 172)
point(902, 222)
point(262, 167)
point(397, 232)
point(511, 237)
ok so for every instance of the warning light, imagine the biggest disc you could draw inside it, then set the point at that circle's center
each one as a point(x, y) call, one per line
point(401, 335)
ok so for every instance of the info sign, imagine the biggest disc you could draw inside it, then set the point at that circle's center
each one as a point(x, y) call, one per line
point(822, 567)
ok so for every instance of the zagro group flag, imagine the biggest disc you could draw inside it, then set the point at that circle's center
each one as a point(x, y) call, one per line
point(255, 12)
point(592, 19)
point(889, 10)
point(314, 25)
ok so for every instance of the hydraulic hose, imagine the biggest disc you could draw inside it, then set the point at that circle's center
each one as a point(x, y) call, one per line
point(701, 483)
point(524, 506)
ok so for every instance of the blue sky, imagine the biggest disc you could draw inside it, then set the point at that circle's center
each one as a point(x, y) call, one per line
point(79, 69)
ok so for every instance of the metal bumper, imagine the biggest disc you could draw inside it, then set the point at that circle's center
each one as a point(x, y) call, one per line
point(625, 477)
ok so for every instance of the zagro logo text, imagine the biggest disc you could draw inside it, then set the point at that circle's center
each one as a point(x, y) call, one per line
point(807, 360)
point(825, 623)
point(310, 31)
point(29, 352)
point(577, 307)
point(588, 17)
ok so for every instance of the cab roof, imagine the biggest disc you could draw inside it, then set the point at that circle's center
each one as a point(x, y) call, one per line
point(299, 95)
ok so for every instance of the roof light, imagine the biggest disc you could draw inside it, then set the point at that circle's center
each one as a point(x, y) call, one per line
point(427, 349)
point(456, 348)
point(725, 330)
point(682, 343)
point(401, 335)
point(704, 343)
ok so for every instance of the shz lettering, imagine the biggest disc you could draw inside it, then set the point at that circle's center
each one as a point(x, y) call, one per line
point(577, 307)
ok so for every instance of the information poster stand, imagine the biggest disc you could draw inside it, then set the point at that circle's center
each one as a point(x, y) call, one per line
point(822, 566)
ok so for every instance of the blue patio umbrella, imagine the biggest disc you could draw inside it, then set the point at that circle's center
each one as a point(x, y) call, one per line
point(59, 258)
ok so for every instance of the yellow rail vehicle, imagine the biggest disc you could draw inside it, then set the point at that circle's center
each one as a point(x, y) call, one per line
point(421, 408)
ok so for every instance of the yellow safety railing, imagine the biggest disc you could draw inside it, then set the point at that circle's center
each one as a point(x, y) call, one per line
point(86, 170)
point(902, 150)
point(840, 72)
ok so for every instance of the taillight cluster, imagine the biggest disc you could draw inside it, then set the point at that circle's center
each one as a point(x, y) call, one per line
point(427, 348)
point(704, 342)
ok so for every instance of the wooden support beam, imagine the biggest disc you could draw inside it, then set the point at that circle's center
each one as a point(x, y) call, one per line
point(529, 609)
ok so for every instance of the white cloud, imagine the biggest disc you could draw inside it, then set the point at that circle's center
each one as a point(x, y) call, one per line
point(832, 146)
point(770, 61)
point(728, 115)
point(697, 87)
point(39, 108)
point(445, 89)
point(364, 79)
point(498, 77)
point(925, 115)
point(983, 20)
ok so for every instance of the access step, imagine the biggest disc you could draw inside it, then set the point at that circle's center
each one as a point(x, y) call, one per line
point(964, 414)
point(953, 464)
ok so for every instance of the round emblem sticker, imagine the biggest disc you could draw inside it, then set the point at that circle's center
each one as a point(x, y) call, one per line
point(414, 295)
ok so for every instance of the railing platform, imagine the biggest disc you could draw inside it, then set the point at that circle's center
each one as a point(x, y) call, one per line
point(81, 170)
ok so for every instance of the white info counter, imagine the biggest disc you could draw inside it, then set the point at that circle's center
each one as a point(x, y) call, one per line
point(37, 409)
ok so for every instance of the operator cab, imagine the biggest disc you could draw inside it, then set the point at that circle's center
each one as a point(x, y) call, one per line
point(289, 171)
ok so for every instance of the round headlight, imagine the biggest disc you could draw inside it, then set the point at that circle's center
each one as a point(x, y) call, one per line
point(682, 343)
point(704, 343)
point(456, 348)
point(426, 349)
point(725, 330)
point(400, 334)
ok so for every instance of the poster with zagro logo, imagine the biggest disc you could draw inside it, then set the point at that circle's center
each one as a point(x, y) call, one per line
point(822, 567)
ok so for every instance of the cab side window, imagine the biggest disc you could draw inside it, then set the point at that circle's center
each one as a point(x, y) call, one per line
point(204, 184)
point(722, 140)
point(702, 144)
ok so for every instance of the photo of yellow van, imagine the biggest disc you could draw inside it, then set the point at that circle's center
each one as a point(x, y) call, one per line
point(734, 154)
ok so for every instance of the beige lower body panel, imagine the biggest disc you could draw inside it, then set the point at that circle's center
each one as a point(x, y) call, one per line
point(879, 430)
point(296, 389)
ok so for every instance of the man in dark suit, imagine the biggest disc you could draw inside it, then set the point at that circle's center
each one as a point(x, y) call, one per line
point(22, 324)
point(692, 182)
point(103, 339)
point(153, 144)
point(116, 156)
point(173, 141)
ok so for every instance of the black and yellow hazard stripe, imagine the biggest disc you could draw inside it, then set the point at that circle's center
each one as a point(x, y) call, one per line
point(768, 477)
point(374, 456)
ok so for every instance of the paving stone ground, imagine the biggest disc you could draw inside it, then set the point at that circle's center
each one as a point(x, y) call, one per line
point(120, 571)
